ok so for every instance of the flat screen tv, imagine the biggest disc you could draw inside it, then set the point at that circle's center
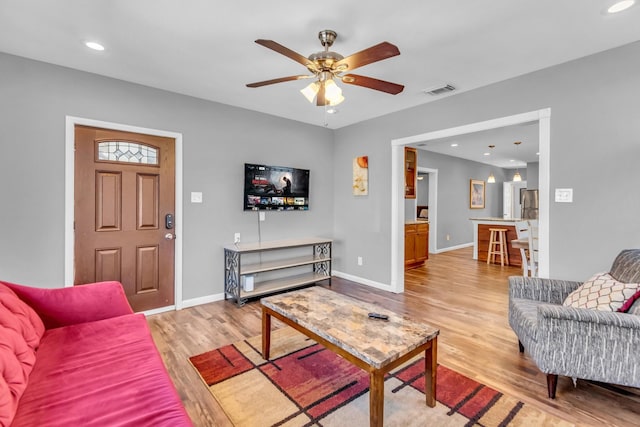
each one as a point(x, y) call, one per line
point(275, 188)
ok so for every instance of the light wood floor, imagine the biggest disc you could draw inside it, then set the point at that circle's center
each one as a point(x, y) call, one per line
point(465, 299)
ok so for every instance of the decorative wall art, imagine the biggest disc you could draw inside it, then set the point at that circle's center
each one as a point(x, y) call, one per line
point(361, 176)
point(476, 194)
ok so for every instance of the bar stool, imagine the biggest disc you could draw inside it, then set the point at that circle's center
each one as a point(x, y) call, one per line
point(498, 246)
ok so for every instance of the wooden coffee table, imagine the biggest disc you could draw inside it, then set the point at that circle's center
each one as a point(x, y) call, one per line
point(341, 324)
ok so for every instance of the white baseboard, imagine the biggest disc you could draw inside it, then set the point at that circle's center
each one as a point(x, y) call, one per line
point(185, 304)
point(158, 310)
point(202, 300)
point(453, 248)
point(219, 297)
point(362, 280)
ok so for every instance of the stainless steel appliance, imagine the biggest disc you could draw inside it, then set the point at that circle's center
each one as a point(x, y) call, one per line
point(529, 203)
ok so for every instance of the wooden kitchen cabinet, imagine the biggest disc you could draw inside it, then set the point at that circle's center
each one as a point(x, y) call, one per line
point(410, 172)
point(416, 244)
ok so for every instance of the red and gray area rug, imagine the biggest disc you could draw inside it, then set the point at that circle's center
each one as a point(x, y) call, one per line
point(305, 384)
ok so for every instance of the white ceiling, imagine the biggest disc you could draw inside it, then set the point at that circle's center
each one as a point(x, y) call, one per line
point(505, 154)
point(206, 48)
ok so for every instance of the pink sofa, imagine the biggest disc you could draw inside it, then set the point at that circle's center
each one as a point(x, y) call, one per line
point(79, 356)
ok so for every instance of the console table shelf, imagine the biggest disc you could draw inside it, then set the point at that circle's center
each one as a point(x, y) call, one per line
point(280, 264)
point(319, 261)
point(275, 285)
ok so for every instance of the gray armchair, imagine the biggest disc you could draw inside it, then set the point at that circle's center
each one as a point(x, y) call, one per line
point(575, 342)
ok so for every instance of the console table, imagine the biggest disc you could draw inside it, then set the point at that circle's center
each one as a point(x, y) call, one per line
point(291, 267)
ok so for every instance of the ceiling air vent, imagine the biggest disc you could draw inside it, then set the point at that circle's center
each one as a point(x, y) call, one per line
point(435, 91)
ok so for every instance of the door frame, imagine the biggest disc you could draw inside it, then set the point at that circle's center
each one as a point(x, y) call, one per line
point(510, 186)
point(69, 196)
point(542, 117)
point(433, 207)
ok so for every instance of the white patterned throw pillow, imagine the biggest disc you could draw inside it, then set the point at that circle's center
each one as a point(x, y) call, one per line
point(602, 292)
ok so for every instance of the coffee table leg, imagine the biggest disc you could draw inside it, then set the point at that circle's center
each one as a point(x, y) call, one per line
point(431, 372)
point(376, 398)
point(266, 333)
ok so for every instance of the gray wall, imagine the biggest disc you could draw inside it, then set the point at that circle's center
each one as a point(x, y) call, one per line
point(533, 174)
point(35, 98)
point(594, 127)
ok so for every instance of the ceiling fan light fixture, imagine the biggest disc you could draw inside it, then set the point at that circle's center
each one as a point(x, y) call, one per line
point(311, 91)
point(332, 92)
point(335, 101)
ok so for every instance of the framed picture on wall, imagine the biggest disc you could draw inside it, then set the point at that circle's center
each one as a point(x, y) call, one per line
point(476, 194)
point(361, 176)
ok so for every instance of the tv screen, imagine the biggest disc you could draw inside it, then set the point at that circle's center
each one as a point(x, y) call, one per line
point(275, 188)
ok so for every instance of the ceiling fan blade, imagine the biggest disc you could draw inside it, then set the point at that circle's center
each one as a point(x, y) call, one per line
point(371, 83)
point(321, 100)
point(375, 53)
point(270, 44)
point(280, 80)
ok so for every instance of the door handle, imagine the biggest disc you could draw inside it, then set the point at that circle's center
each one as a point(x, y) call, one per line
point(169, 236)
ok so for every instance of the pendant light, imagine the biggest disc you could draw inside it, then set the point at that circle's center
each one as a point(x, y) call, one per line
point(516, 176)
point(491, 179)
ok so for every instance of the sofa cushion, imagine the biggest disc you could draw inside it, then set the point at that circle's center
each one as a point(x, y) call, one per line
point(602, 292)
point(75, 304)
point(102, 373)
point(20, 332)
point(626, 266)
point(24, 319)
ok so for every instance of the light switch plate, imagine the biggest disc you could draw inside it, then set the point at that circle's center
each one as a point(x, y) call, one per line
point(261, 216)
point(564, 195)
point(196, 197)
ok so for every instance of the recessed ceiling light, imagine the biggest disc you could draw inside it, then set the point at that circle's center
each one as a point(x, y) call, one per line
point(332, 110)
point(486, 154)
point(620, 6)
point(454, 145)
point(94, 46)
point(511, 160)
point(537, 154)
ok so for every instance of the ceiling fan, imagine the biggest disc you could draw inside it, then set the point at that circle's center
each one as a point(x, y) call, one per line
point(327, 66)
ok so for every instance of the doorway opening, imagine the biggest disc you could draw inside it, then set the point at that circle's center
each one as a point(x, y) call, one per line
point(512, 199)
point(541, 117)
point(431, 203)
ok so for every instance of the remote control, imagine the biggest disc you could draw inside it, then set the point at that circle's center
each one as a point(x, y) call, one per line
point(378, 316)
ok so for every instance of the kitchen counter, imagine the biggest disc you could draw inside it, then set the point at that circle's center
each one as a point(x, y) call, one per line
point(418, 221)
point(481, 237)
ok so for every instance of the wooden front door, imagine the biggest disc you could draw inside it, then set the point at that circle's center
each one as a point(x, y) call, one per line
point(124, 206)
